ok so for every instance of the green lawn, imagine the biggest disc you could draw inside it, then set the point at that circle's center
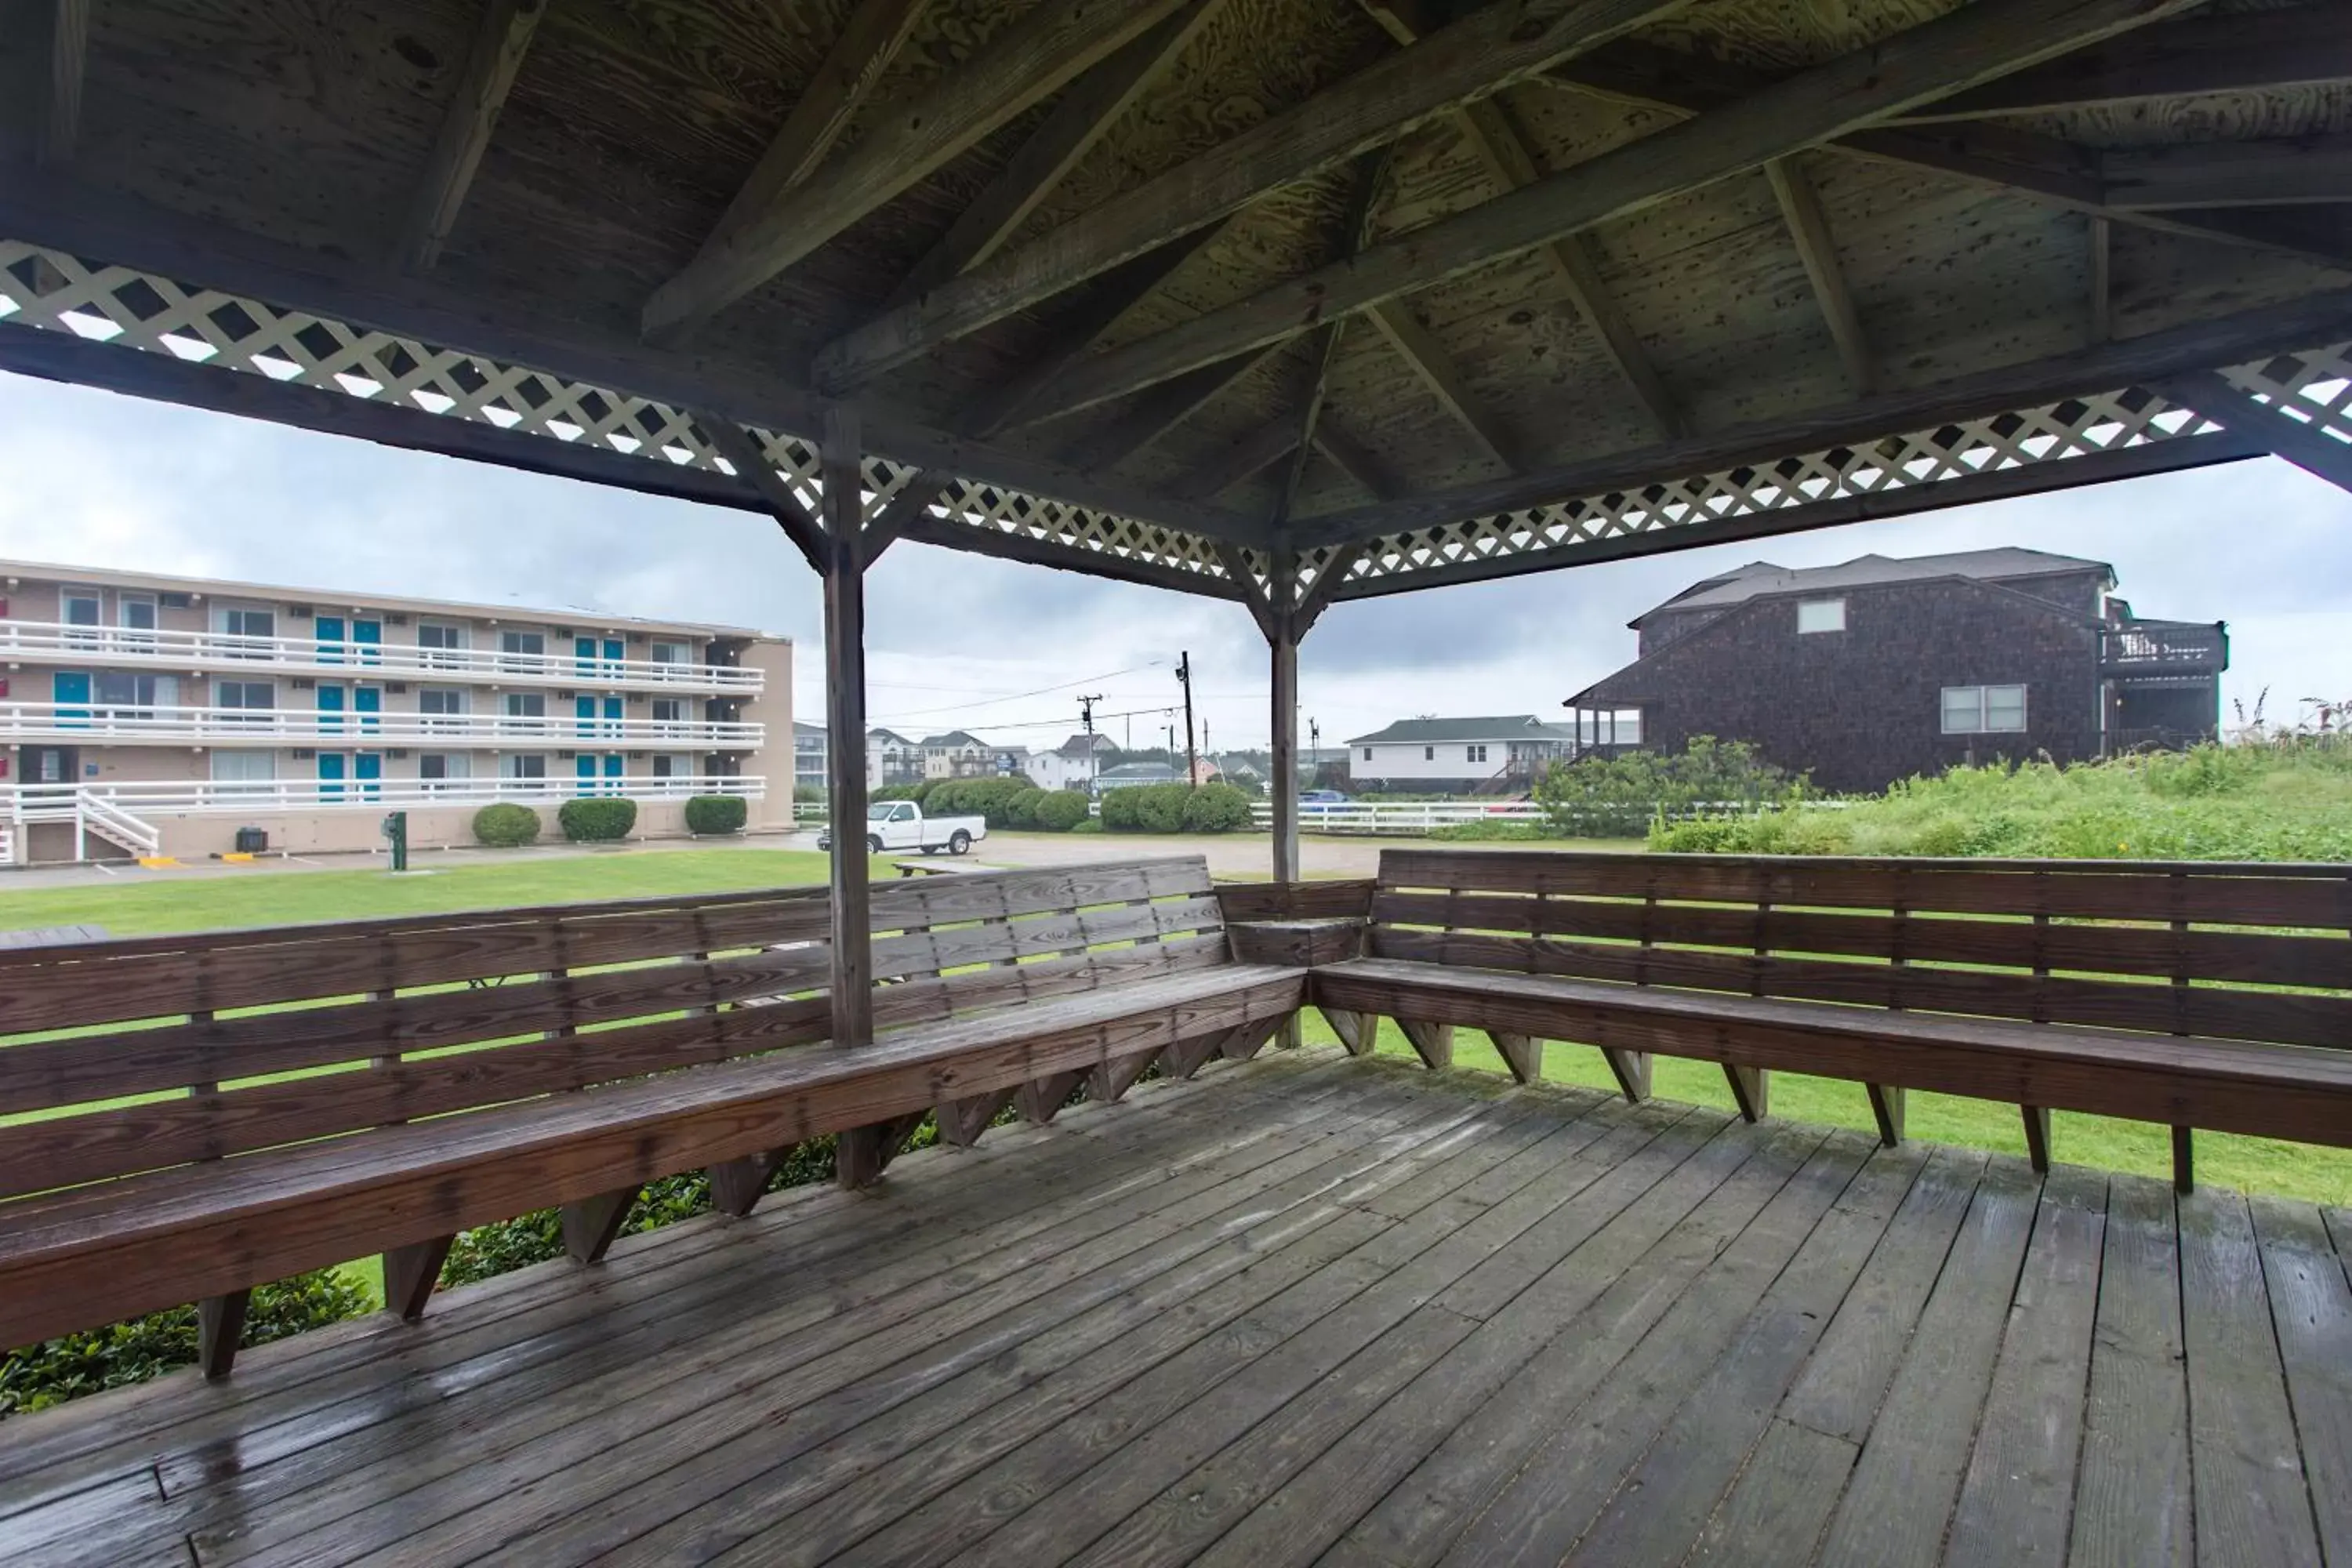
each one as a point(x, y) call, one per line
point(2251, 1165)
point(145, 903)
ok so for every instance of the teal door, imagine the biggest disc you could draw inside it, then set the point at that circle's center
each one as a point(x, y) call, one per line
point(584, 770)
point(613, 764)
point(612, 719)
point(614, 650)
point(330, 637)
point(369, 635)
point(331, 775)
point(330, 710)
point(584, 710)
point(368, 702)
point(367, 772)
point(69, 690)
point(583, 654)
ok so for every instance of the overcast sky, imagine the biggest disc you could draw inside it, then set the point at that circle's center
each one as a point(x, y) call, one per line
point(959, 640)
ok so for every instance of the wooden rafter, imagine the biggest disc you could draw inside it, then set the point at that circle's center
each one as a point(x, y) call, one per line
point(1117, 296)
point(1345, 453)
point(752, 467)
point(2103, 280)
point(2305, 445)
point(501, 39)
point(1028, 62)
point(1161, 410)
point(1809, 227)
point(1249, 455)
point(1435, 367)
point(2289, 172)
point(60, 122)
point(1370, 182)
point(1093, 103)
point(1504, 148)
point(1483, 52)
point(1959, 50)
point(869, 40)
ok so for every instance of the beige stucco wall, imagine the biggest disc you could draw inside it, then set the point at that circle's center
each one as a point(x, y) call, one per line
point(196, 837)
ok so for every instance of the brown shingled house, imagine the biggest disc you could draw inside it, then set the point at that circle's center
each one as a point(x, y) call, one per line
point(1879, 669)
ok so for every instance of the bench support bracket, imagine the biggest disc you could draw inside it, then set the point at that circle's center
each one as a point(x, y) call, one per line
point(1184, 1058)
point(861, 1155)
point(1886, 1109)
point(410, 1273)
point(736, 1185)
point(591, 1225)
point(220, 1325)
point(1523, 1054)
point(2037, 1137)
point(1042, 1098)
point(1751, 1090)
point(2184, 1161)
point(961, 1121)
point(1632, 1071)
point(1354, 1030)
point(1251, 1038)
point(1108, 1084)
point(1433, 1042)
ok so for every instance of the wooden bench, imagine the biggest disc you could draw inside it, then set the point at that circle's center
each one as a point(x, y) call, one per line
point(246, 1106)
point(2212, 996)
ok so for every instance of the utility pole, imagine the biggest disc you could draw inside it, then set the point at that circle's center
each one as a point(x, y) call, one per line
point(1314, 745)
point(1086, 716)
point(1184, 679)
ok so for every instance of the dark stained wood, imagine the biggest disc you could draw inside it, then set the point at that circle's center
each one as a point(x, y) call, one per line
point(1433, 1043)
point(961, 1121)
point(591, 1226)
point(1335, 898)
point(411, 1273)
point(1041, 1099)
point(1809, 226)
point(58, 125)
point(843, 517)
point(2037, 1136)
point(1751, 1090)
point(1886, 1107)
point(220, 1326)
point(1522, 1053)
point(2298, 443)
point(777, 498)
point(500, 40)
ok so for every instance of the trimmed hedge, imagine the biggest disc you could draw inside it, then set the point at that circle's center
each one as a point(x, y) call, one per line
point(1217, 808)
point(596, 819)
point(506, 825)
point(55, 1371)
point(1061, 810)
point(716, 813)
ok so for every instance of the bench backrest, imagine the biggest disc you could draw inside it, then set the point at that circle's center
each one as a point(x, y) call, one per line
point(2251, 952)
point(189, 1048)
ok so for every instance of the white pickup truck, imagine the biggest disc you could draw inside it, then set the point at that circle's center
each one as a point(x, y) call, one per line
point(895, 825)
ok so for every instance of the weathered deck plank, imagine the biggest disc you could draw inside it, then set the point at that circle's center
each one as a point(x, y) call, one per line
point(1303, 1310)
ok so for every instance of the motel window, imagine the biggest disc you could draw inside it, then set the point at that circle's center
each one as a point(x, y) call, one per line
point(672, 711)
point(444, 766)
point(1984, 710)
point(245, 773)
point(246, 694)
point(441, 641)
point(448, 702)
point(526, 705)
point(240, 623)
point(79, 606)
point(135, 612)
point(1429, 753)
point(1820, 616)
point(1476, 753)
point(131, 696)
point(672, 653)
point(523, 649)
point(521, 765)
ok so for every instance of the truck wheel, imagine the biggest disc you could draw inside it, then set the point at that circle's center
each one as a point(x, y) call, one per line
point(958, 841)
point(873, 844)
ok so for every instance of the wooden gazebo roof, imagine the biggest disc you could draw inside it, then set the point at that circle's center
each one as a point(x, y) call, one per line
point(1419, 294)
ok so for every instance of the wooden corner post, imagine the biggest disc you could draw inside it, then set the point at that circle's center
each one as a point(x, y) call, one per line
point(1282, 633)
point(845, 684)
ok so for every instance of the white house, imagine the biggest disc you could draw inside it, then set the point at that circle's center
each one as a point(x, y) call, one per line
point(1068, 765)
point(1456, 755)
point(892, 759)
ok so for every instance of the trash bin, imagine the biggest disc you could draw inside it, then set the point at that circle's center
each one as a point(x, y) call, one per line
point(252, 840)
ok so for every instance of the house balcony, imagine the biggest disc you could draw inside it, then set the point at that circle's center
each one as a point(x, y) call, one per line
point(119, 648)
point(90, 724)
point(26, 803)
point(2159, 648)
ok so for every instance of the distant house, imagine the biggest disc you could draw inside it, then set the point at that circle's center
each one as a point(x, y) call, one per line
point(1457, 756)
point(1880, 668)
point(808, 756)
point(956, 755)
point(1127, 774)
point(1073, 764)
point(892, 759)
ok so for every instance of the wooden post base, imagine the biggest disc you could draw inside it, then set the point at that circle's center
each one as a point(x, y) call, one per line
point(1042, 1099)
point(591, 1225)
point(1523, 1054)
point(1886, 1109)
point(2184, 1161)
point(1751, 1090)
point(220, 1326)
point(961, 1121)
point(411, 1272)
point(2037, 1136)
point(861, 1155)
point(1355, 1030)
point(1433, 1043)
point(736, 1185)
point(1632, 1071)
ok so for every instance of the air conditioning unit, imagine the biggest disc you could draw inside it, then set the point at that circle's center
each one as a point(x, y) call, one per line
point(637, 637)
point(563, 631)
point(398, 688)
point(303, 683)
point(300, 612)
point(398, 753)
point(304, 754)
point(565, 696)
point(396, 619)
point(174, 601)
point(636, 756)
point(566, 756)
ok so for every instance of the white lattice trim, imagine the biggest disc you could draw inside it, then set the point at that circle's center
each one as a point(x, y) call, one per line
point(2314, 387)
point(56, 291)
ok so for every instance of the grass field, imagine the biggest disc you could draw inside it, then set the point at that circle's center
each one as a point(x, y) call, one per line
point(264, 898)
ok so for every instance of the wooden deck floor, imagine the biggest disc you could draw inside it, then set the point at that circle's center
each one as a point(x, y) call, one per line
point(1305, 1311)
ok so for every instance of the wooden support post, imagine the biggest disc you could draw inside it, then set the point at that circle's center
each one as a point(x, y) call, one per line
point(2037, 1136)
point(861, 1155)
point(1523, 1054)
point(736, 1185)
point(2184, 1161)
point(1751, 1090)
point(1433, 1043)
point(1108, 1083)
point(844, 672)
point(1354, 1030)
point(1042, 1099)
point(591, 1225)
point(1250, 1038)
point(1630, 1069)
point(411, 1272)
point(961, 1121)
point(1887, 1108)
point(220, 1326)
point(1185, 1057)
point(1282, 639)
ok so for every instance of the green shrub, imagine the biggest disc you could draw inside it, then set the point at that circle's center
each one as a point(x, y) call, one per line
point(916, 792)
point(990, 798)
point(55, 1371)
point(1089, 825)
point(596, 819)
point(1614, 796)
point(1217, 808)
point(1021, 810)
point(1062, 810)
point(506, 825)
point(716, 813)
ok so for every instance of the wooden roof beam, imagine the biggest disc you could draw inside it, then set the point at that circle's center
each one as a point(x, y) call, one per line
point(869, 40)
point(501, 41)
point(1501, 146)
point(1093, 103)
point(1959, 50)
point(1484, 51)
point(1355, 232)
point(1249, 455)
point(1801, 208)
point(1435, 367)
point(756, 473)
point(1348, 454)
point(2292, 172)
point(1160, 411)
point(2141, 361)
point(2306, 446)
point(1028, 62)
point(60, 124)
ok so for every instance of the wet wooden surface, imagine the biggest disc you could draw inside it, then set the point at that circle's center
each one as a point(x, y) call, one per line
point(1297, 1311)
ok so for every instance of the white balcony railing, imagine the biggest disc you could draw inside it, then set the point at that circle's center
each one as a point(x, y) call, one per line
point(131, 803)
point(94, 723)
point(123, 647)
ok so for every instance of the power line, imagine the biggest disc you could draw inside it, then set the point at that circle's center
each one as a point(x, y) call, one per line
point(1017, 696)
